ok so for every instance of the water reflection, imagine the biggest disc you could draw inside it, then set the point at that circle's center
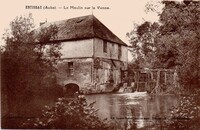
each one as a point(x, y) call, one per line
point(138, 108)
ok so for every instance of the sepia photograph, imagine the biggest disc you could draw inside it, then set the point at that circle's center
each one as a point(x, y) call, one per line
point(100, 64)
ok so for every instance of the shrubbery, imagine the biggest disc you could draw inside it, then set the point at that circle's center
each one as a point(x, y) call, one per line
point(185, 116)
point(68, 113)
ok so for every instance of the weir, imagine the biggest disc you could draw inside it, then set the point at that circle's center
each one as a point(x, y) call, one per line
point(151, 81)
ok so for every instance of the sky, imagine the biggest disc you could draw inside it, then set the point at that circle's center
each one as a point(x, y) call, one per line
point(119, 18)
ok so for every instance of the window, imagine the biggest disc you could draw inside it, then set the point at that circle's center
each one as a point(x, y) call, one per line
point(70, 68)
point(104, 46)
point(119, 51)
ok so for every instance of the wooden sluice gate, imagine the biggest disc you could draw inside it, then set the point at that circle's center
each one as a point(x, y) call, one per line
point(152, 81)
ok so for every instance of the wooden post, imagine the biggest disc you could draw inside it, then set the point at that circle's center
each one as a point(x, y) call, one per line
point(157, 87)
point(165, 77)
point(137, 81)
point(152, 75)
point(148, 81)
point(152, 80)
point(176, 79)
point(157, 81)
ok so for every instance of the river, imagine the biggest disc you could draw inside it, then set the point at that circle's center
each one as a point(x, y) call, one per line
point(140, 109)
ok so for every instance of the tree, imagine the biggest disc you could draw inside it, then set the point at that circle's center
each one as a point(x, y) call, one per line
point(180, 34)
point(173, 42)
point(143, 40)
point(27, 65)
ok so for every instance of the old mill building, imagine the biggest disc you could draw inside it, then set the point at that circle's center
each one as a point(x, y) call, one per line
point(93, 58)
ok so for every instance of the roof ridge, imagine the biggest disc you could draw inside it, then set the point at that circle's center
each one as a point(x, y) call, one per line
point(68, 19)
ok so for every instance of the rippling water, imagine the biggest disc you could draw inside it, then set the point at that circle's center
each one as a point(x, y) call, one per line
point(138, 108)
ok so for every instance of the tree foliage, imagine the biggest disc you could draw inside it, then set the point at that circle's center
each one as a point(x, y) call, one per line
point(180, 31)
point(68, 113)
point(186, 115)
point(173, 42)
point(143, 40)
point(27, 65)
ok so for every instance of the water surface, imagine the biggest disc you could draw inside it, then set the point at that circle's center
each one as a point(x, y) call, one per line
point(138, 108)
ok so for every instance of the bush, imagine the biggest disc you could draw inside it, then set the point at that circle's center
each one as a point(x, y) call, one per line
point(68, 113)
point(186, 116)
